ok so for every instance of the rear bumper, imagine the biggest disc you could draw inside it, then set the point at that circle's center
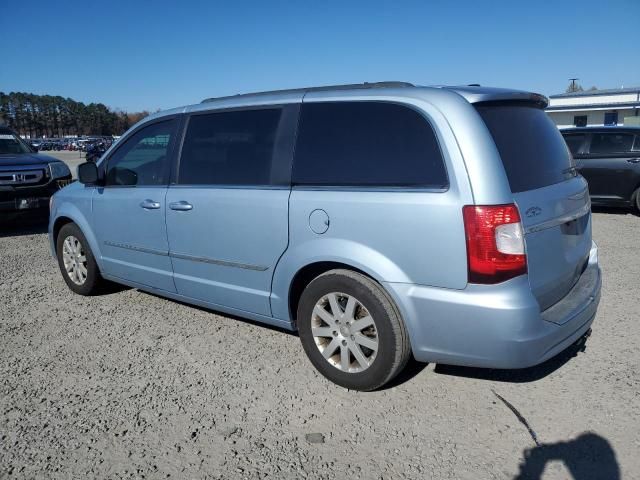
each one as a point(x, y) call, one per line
point(496, 326)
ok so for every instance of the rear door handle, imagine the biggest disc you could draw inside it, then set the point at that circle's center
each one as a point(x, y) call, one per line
point(181, 206)
point(634, 160)
point(149, 204)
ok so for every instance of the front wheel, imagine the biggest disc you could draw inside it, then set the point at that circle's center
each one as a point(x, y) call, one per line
point(351, 330)
point(635, 200)
point(76, 261)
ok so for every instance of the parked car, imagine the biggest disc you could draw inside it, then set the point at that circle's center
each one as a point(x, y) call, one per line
point(609, 158)
point(27, 179)
point(377, 220)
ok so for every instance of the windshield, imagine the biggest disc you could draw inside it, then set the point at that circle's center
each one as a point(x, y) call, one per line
point(9, 143)
point(533, 152)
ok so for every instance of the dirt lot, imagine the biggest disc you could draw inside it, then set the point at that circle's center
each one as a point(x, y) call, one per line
point(128, 385)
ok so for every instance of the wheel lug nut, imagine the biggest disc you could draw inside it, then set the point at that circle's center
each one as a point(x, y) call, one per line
point(344, 343)
point(335, 334)
point(353, 337)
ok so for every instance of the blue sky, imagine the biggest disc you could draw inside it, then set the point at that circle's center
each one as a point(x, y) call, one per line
point(137, 55)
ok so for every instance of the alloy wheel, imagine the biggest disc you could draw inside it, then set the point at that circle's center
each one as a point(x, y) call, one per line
point(74, 259)
point(344, 332)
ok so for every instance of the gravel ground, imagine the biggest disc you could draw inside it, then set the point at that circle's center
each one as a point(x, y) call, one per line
point(130, 385)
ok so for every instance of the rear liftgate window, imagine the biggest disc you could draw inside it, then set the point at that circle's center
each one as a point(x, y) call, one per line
point(532, 149)
point(367, 144)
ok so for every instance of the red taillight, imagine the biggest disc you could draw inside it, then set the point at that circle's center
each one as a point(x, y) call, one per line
point(495, 243)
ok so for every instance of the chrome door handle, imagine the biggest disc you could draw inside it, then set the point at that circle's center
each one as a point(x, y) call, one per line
point(149, 204)
point(181, 206)
point(634, 160)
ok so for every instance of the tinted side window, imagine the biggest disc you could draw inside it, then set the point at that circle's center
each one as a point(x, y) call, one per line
point(366, 144)
point(574, 141)
point(229, 148)
point(611, 143)
point(532, 150)
point(143, 158)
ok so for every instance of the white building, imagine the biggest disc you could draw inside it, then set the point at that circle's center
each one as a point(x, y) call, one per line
point(618, 106)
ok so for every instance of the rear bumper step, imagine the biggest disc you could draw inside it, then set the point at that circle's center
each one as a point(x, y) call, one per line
point(578, 299)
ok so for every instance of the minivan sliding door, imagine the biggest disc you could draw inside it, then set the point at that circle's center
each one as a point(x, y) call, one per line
point(227, 211)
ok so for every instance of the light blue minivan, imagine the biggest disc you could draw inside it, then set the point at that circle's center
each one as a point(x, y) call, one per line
point(380, 221)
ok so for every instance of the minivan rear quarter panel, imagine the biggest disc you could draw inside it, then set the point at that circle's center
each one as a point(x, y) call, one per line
point(413, 236)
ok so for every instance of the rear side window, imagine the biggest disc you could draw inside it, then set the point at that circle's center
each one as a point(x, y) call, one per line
point(574, 141)
point(532, 149)
point(366, 144)
point(229, 148)
point(611, 143)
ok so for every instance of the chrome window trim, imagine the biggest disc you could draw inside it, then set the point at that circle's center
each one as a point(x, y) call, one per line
point(372, 188)
point(230, 187)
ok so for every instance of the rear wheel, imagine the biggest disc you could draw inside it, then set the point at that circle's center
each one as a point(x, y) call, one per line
point(75, 259)
point(351, 330)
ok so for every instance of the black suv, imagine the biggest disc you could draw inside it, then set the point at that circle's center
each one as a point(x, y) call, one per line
point(27, 178)
point(609, 158)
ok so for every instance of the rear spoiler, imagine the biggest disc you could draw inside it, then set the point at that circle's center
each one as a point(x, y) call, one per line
point(485, 95)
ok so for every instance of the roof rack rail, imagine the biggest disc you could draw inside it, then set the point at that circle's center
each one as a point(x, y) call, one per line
point(351, 86)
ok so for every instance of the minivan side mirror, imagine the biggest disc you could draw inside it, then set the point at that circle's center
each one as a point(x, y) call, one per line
point(88, 173)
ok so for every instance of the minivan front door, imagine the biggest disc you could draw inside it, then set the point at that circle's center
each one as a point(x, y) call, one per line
point(227, 213)
point(129, 210)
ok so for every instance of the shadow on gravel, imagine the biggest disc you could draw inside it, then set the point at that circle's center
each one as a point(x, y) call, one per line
point(111, 288)
point(18, 228)
point(524, 375)
point(587, 457)
point(223, 314)
point(615, 211)
point(412, 369)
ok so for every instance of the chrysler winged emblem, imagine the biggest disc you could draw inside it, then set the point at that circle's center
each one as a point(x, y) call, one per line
point(533, 212)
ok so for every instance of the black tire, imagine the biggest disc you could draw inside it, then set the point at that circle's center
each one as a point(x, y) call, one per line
point(393, 348)
point(93, 282)
point(635, 200)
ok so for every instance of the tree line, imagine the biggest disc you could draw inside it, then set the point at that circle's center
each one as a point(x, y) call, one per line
point(575, 87)
point(54, 116)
